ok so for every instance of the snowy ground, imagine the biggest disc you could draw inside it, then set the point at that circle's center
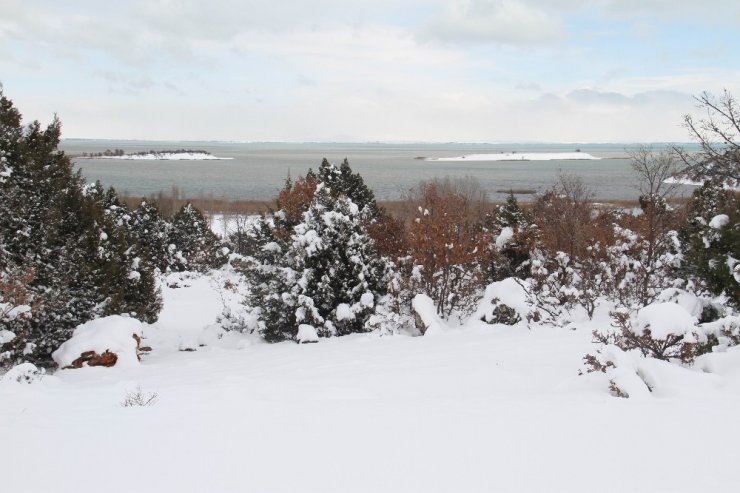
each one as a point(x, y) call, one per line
point(474, 408)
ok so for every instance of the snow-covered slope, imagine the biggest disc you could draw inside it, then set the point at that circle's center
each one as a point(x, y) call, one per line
point(474, 408)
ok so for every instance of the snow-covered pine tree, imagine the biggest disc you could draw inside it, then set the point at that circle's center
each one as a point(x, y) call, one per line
point(711, 238)
point(514, 237)
point(152, 232)
point(50, 229)
point(343, 181)
point(192, 245)
point(126, 278)
point(327, 273)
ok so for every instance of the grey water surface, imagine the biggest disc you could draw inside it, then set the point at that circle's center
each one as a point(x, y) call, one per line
point(258, 170)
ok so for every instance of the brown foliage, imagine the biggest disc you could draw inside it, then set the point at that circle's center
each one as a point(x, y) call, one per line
point(295, 198)
point(389, 234)
point(567, 218)
point(14, 291)
point(446, 240)
point(91, 358)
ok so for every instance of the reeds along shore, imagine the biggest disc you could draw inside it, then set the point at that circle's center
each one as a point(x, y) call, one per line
point(170, 202)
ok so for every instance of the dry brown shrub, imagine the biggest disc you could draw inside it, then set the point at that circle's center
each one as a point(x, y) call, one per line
point(389, 234)
point(295, 198)
point(447, 242)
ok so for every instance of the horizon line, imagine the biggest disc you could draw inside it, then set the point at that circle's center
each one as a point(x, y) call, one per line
point(387, 142)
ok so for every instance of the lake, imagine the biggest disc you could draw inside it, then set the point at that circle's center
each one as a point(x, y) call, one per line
point(256, 171)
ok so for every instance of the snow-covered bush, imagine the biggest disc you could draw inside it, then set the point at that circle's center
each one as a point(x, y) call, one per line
point(114, 335)
point(663, 330)
point(426, 317)
point(667, 331)
point(551, 287)
point(512, 239)
point(306, 334)
point(638, 269)
point(394, 312)
point(675, 329)
point(24, 373)
point(505, 302)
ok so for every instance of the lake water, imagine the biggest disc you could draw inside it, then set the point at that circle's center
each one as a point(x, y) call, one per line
point(258, 170)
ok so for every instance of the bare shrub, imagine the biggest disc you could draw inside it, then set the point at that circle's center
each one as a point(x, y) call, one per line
point(565, 216)
point(139, 398)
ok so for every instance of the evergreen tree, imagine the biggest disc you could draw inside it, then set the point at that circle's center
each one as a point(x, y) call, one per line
point(152, 233)
point(711, 238)
point(343, 181)
point(55, 229)
point(514, 237)
point(313, 261)
point(192, 244)
point(126, 279)
point(329, 275)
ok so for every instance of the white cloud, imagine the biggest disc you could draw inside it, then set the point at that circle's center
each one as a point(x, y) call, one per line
point(497, 21)
point(345, 69)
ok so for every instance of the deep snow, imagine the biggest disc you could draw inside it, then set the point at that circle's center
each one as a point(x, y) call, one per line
point(474, 408)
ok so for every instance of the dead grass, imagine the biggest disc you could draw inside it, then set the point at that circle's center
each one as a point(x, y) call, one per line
point(170, 202)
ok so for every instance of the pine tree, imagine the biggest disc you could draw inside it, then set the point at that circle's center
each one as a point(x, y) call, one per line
point(126, 279)
point(329, 276)
point(54, 229)
point(192, 244)
point(514, 237)
point(322, 269)
point(711, 238)
point(152, 233)
point(343, 181)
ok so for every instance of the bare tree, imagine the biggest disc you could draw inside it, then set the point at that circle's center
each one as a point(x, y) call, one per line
point(653, 170)
point(564, 214)
point(719, 136)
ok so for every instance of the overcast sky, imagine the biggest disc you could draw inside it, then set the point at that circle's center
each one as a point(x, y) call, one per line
point(366, 70)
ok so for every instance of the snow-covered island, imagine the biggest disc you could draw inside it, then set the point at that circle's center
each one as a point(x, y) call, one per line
point(519, 156)
point(683, 180)
point(166, 155)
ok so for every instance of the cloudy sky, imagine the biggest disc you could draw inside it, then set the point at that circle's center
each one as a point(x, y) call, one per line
point(365, 70)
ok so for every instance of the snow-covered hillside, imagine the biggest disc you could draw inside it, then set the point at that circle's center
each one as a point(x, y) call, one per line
point(471, 408)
